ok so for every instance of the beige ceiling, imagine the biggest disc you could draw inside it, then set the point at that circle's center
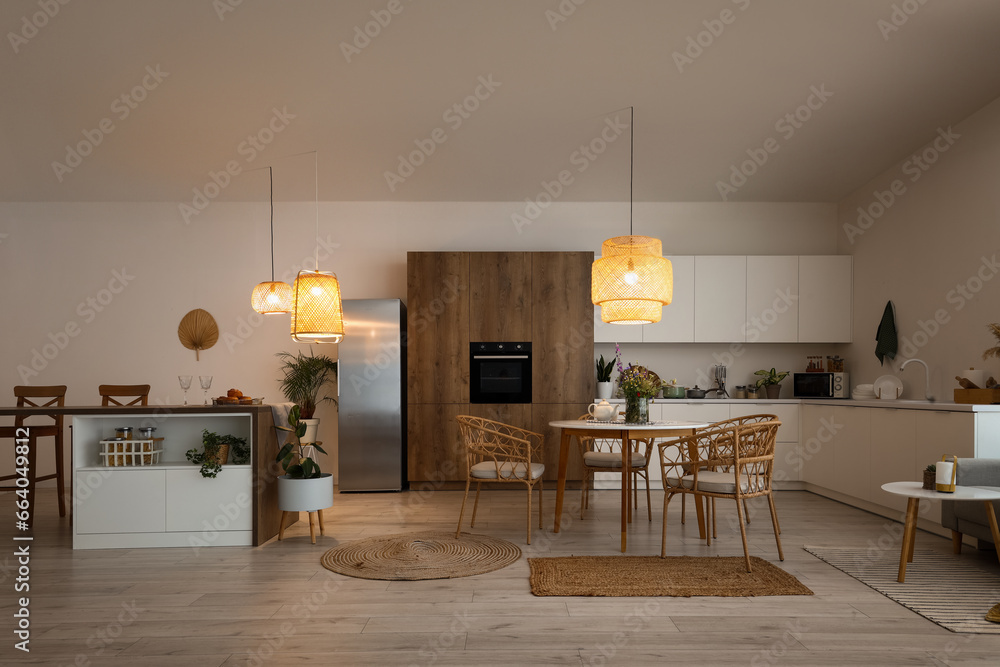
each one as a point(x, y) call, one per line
point(554, 79)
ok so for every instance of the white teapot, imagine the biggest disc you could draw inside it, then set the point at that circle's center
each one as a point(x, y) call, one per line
point(602, 411)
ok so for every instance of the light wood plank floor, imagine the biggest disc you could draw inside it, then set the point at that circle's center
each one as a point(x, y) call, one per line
point(275, 605)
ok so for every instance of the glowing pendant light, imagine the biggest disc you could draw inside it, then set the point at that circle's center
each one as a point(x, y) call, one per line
point(317, 312)
point(272, 297)
point(632, 281)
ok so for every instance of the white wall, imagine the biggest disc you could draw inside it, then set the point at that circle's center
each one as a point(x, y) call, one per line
point(933, 253)
point(54, 257)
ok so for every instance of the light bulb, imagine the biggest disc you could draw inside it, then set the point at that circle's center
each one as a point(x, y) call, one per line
point(631, 278)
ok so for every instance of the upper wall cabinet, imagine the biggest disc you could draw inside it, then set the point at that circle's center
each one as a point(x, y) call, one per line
point(825, 299)
point(720, 298)
point(753, 299)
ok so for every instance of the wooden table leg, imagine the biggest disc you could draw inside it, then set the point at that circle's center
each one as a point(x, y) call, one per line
point(909, 534)
point(281, 526)
point(561, 480)
point(626, 479)
point(322, 530)
point(312, 529)
point(992, 516)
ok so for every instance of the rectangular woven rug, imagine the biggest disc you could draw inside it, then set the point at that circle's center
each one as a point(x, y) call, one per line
point(647, 576)
point(951, 591)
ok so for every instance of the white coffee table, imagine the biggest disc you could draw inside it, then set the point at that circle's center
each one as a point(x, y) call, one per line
point(914, 491)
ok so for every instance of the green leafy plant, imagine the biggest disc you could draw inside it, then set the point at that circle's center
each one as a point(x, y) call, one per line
point(931, 468)
point(770, 377)
point(604, 370)
point(305, 378)
point(208, 457)
point(291, 455)
point(637, 381)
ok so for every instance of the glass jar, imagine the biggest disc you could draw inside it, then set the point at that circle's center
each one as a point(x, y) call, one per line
point(752, 393)
point(740, 391)
point(146, 432)
point(123, 432)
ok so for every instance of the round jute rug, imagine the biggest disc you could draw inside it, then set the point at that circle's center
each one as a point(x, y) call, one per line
point(424, 555)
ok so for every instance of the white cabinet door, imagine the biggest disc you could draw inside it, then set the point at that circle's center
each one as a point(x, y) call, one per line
point(825, 299)
point(941, 433)
point(852, 452)
point(787, 459)
point(708, 411)
point(816, 444)
point(893, 433)
point(720, 297)
point(196, 503)
point(677, 325)
point(772, 299)
point(119, 501)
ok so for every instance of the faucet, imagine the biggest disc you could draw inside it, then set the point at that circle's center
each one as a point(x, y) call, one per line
point(927, 377)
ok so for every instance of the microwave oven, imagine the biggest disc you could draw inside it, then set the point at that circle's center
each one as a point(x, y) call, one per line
point(821, 385)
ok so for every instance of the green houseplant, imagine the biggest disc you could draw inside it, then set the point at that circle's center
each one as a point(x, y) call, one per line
point(291, 455)
point(604, 384)
point(215, 452)
point(304, 381)
point(771, 381)
point(303, 487)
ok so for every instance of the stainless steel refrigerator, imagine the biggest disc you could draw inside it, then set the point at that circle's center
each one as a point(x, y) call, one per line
point(371, 382)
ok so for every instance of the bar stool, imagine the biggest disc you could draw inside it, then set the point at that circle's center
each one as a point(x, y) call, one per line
point(35, 397)
point(110, 393)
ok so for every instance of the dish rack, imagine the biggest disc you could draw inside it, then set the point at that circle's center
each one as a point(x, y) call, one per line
point(117, 452)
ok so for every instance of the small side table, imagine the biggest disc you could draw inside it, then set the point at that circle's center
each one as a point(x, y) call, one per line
point(914, 491)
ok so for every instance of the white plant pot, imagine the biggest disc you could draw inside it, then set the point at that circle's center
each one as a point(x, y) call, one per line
point(312, 430)
point(604, 389)
point(305, 495)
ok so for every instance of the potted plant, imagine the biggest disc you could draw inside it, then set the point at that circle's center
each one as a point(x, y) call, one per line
point(771, 381)
point(303, 487)
point(604, 384)
point(930, 476)
point(305, 378)
point(215, 452)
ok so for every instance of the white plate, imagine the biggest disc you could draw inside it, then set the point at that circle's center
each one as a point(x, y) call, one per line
point(888, 387)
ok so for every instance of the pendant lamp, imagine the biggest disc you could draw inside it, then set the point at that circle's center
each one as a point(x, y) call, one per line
point(317, 312)
point(272, 297)
point(632, 281)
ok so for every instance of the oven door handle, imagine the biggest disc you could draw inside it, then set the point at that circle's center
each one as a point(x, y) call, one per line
point(500, 356)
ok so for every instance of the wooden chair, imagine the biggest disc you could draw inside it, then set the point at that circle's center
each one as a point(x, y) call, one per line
point(605, 455)
point(730, 461)
point(110, 393)
point(42, 397)
point(498, 452)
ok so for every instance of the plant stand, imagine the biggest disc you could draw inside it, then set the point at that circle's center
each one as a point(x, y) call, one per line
point(305, 495)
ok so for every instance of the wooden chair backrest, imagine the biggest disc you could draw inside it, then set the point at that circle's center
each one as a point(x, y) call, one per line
point(56, 395)
point(110, 393)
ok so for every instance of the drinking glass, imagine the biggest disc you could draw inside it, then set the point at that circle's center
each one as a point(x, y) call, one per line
point(185, 381)
point(206, 384)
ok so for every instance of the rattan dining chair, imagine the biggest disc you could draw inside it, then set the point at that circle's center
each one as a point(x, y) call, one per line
point(111, 393)
point(730, 461)
point(605, 455)
point(44, 397)
point(498, 452)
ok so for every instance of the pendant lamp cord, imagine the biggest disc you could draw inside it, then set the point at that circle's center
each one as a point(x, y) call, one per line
point(270, 181)
point(316, 172)
point(631, 160)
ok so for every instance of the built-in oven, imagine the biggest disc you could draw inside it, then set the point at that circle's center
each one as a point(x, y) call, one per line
point(500, 372)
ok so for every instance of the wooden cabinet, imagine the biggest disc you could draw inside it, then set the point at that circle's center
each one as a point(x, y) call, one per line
point(500, 296)
point(562, 339)
point(454, 298)
point(893, 433)
point(772, 299)
point(720, 298)
point(825, 299)
point(817, 431)
point(437, 327)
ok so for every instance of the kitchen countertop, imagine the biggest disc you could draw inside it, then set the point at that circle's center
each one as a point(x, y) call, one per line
point(897, 404)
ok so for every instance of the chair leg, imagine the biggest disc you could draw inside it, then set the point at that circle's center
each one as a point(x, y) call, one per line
point(956, 542)
point(777, 531)
point(663, 534)
point(746, 511)
point(583, 495)
point(683, 507)
point(458, 531)
point(60, 479)
point(743, 534)
point(715, 525)
point(709, 519)
point(475, 505)
point(541, 493)
point(529, 514)
point(649, 507)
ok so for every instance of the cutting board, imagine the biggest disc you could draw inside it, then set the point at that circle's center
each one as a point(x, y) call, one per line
point(977, 396)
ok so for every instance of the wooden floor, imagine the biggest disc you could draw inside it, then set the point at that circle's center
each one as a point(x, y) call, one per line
point(275, 605)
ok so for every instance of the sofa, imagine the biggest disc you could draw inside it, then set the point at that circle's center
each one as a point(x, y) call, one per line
point(969, 518)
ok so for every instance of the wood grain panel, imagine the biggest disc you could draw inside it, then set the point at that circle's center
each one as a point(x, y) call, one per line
point(515, 414)
point(267, 516)
point(541, 415)
point(437, 288)
point(434, 447)
point(562, 328)
point(500, 304)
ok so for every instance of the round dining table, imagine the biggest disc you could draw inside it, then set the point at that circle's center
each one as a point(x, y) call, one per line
point(617, 430)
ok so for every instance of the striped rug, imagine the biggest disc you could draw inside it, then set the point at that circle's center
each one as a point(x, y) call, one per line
point(944, 588)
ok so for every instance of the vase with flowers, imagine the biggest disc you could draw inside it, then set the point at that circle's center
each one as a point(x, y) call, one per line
point(638, 386)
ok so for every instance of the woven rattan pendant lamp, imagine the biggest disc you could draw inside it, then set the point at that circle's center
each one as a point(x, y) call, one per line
point(317, 312)
point(632, 281)
point(272, 297)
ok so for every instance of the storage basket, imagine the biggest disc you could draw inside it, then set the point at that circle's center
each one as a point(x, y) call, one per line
point(125, 453)
point(219, 456)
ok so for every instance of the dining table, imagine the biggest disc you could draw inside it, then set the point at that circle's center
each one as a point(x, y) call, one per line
point(625, 432)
